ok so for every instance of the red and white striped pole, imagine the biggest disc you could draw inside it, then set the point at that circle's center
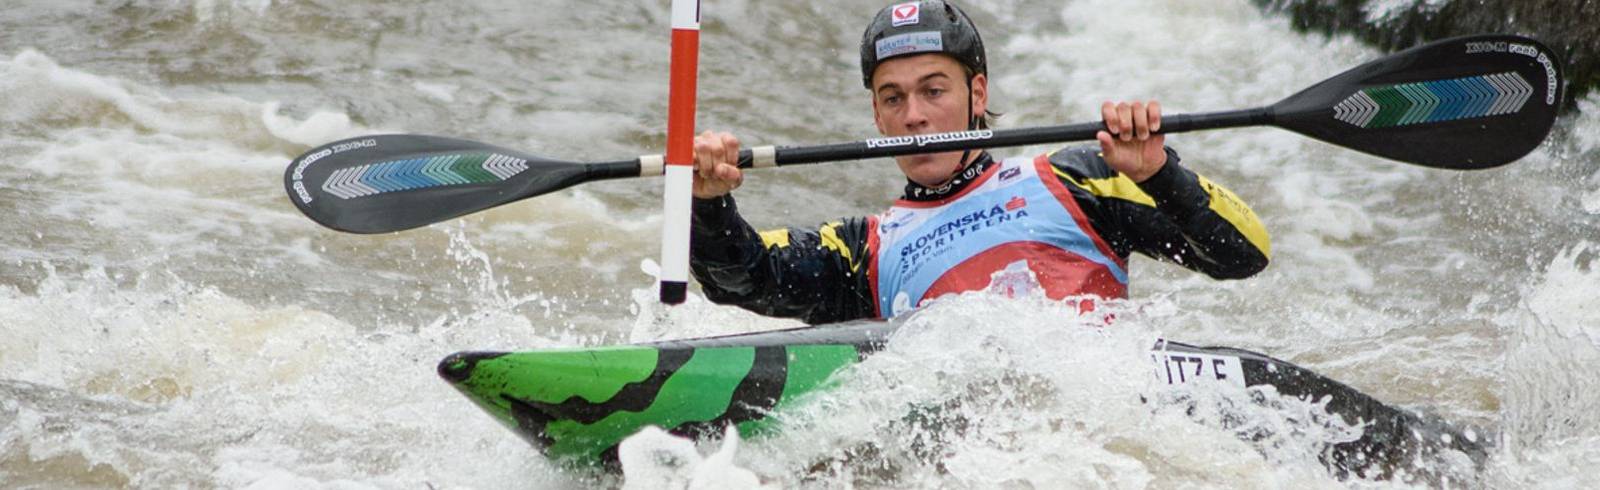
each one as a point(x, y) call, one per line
point(680, 151)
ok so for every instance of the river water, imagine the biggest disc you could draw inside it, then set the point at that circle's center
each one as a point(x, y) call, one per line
point(168, 319)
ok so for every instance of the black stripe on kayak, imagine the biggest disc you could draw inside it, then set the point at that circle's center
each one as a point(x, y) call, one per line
point(756, 394)
point(633, 397)
point(531, 423)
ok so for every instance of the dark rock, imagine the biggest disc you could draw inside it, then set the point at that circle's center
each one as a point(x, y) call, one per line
point(1570, 27)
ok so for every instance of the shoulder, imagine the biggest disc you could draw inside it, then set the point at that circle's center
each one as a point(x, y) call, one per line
point(1080, 162)
point(1087, 176)
point(841, 233)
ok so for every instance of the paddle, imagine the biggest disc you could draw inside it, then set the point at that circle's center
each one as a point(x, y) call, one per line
point(1464, 103)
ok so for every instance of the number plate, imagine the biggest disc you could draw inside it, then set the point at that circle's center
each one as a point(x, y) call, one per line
point(1184, 367)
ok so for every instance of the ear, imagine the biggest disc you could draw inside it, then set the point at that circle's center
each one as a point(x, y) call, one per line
point(980, 94)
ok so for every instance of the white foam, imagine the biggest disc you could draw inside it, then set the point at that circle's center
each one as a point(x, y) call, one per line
point(653, 459)
point(445, 92)
point(48, 95)
point(1044, 400)
point(695, 317)
point(277, 397)
point(321, 127)
point(1550, 394)
point(1566, 300)
point(211, 10)
point(1588, 143)
point(1386, 10)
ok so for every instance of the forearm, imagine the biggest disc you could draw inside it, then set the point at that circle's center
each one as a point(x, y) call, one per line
point(1221, 236)
point(788, 273)
point(725, 251)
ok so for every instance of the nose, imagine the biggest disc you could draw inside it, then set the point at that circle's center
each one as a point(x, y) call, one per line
point(916, 117)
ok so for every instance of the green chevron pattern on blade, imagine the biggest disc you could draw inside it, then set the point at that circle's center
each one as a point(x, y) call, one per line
point(1390, 106)
point(438, 169)
point(1422, 104)
point(593, 374)
point(470, 167)
point(810, 367)
point(699, 391)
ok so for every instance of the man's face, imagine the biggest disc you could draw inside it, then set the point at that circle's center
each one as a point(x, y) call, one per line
point(925, 94)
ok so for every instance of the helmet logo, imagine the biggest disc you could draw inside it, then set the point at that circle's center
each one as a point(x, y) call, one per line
point(911, 42)
point(905, 14)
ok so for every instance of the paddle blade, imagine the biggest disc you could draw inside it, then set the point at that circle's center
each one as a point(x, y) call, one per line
point(1463, 103)
point(393, 182)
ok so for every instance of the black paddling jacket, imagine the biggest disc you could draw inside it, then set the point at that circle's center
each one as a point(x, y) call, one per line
point(819, 275)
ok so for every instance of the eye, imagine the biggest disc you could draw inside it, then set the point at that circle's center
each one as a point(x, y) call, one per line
point(935, 92)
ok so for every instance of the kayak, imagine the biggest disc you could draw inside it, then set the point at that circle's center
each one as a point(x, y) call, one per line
point(578, 404)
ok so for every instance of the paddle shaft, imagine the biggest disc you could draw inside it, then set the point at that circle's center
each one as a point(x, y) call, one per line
point(1000, 139)
point(940, 142)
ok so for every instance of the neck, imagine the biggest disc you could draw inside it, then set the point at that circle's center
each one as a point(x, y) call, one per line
point(979, 162)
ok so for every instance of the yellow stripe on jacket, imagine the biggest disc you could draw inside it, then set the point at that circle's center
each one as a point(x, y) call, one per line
point(1223, 202)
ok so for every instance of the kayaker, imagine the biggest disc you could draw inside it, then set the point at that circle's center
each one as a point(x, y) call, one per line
point(1065, 221)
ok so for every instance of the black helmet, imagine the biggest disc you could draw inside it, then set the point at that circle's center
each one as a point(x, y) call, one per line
point(926, 26)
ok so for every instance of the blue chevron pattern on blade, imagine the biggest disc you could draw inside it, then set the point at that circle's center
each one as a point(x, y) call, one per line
point(1450, 94)
point(394, 175)
point(378, 178)
point(1469, 105)
point(421, 173)
point(1435, 101)
point(409, 175)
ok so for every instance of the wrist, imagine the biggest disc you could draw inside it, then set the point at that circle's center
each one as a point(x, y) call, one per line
point(1167, 181)
point(1149, 171)
point(709, 195)
point(1145, 174)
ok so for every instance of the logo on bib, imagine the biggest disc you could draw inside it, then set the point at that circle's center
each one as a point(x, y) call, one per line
point(1010, 173)
point(890, 221)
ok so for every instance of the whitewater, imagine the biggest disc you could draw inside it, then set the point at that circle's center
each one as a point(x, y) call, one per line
point(168, 319)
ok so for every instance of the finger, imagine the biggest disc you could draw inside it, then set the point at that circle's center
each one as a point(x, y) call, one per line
point(1125, 121)
point(1107, 144)
point(1141, 121)
point(1155, 115)
point(719, 151)
point(731, 142)
point(730, 174)
point(1108, 115)
point(728, 177)
point(702, 155)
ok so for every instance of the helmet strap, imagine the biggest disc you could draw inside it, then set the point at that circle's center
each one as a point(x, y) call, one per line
point(972, 122)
